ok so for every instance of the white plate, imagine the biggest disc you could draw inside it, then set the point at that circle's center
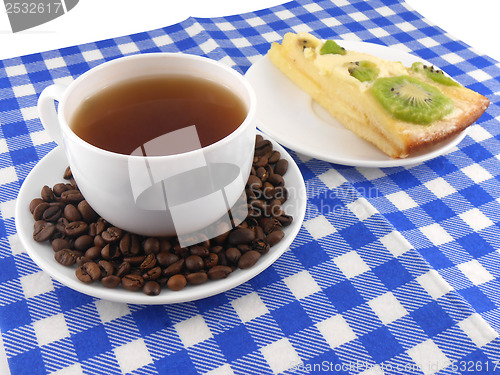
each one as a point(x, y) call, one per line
point(50, 170)
point(289, 115)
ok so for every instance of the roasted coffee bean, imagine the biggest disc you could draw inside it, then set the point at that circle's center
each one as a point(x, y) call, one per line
point(39, 210)
point(135, 260)
point(241, 236)
point(233, 255)
point(165, 258)
point(76, 228)
point(263, 147)
point(123, 269)
point(181, 252)
point(151, 288)
point(219, 272)
point(83, 242)
point(194, 263)
point(281, 167)
point(153, 274)
point(88, 272)
point(52, 213)
point(269, 224)
point(111, 251)
point(47, 194)
point(211, 260)
point(93, 252)
point(198, 250)
point(174, 268)
point(248, 259)
point(71, 213)
point(66, 257)
point(165, 244)
point(111, 281)
point(67, 173)
point(224, 229)
point(276, 179)
point(59, 188)
point(275, 208)
point(274, 157)
point(44, 231)
point(274, 237)
point(281, 193)
point(130, 245)
point(151, 245)
point(88, 214)
point(112, 234)
point(35, 202)
point(285, 219)
point(106, 267)
point(262, 174)
point(268, 190)
point(260, 161)
point(259, 233)
point(99, 242)
point(71, 196)
point(262, 246)
point(60, 243)
point(258, 138)
point(176, 282)
point(148, 262)
point(217, 249)
point(132, 282)
point(197, 278)
point(61, 225)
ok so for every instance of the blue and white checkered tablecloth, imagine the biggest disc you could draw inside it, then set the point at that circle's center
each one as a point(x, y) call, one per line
point(394, 270)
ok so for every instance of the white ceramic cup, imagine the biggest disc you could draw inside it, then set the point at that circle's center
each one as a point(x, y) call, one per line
point(155, 195)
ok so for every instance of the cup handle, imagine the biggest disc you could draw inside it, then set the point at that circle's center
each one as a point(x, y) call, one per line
point(48, 113)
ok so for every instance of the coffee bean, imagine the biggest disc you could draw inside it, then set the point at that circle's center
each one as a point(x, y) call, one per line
point(176, 282)
point(99, 242)
point(135, 260)
point(274, 157)
point(61, 224)
point(88, 214)
point(106, 268)
point(233, 255)
point(263, 147)
point(269, 224)
point(174, 268)
point(153, 274)
point(198, 250)
point(47, 194)
point(151, 245)
point(71, 196)
point(43, 231)
point(151, 288)
point(111, 251)
point(248, 259)
point(276, 179)
point(88, 272)
point(60, 243)
point(111, 281)
point(83, 242)
point(211, 260)
point(281, 167)
point(219, 272)
point(285, 219)
point(93, 253)
point(240, 236)
point(66, 257)
point(130, 245)
point(35, 202)
point(67, 173)
point(274, 237)
point(59, 188)
point(123, 269)
point(132, 282)
point(261, 245)
point(148, 263)
point(76, 228)
point(262, 174)
point(260, 161)
point(112, 234)
point(197, 278)
point(194, 263)
point(39, 210)
point(165, 258)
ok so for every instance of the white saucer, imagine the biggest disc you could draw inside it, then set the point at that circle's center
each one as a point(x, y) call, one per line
point(291, 117)
point(49, 171)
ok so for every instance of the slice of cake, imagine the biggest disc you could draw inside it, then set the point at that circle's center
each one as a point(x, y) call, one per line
point(399, 109)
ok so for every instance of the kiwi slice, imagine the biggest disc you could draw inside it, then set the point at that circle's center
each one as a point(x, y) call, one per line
point(436, 75)
point(363, 70)
point(411, 100)
point(331, 48)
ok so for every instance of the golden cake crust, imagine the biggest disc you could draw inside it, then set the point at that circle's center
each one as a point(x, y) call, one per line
point(326, 79)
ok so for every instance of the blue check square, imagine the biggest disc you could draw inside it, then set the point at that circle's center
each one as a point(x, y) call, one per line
point(357, 235)
point(392, 274)
point(432, 318)
point(293, 312)
point(176, 363)
point(381, 344)
point(91, 342)
point(151, 319)
point(311, 254)
point(344, 296)
point(235, 343)
point(479, 301)
point(30, 362)
point(438, 210)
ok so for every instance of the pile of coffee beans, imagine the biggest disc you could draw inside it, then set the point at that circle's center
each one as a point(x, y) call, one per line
point(105, 253)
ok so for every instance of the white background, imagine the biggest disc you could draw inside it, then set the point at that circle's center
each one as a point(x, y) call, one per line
point(475, 22)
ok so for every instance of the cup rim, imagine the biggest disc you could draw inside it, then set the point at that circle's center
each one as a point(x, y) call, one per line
point(249, 118)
